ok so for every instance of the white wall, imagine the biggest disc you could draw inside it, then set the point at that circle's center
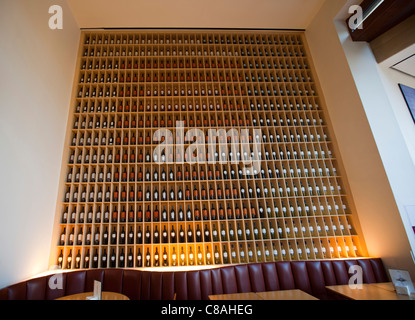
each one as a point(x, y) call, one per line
point(391, 79)
point(404, 188)
point(377, 163)
point(37, 68)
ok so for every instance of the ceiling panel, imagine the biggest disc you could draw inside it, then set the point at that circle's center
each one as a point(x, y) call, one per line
point(273, 14)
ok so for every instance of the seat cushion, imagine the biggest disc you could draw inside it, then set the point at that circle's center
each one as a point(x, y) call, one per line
point(256, 277)
point(180, 284)
point(243, 281)
point(206, 286)
point(36, 289)
point(229, 282)
point(285, 275)
point(271, 276)
point(300, 274)
point(113, 280)
point(131, 284)
point(75, 282)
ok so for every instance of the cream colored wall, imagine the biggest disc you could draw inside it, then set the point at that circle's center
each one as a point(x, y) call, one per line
point(37, 67)
point(294, 14)
point(369, 140)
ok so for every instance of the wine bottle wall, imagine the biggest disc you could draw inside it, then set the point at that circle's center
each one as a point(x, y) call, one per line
point(146, 187)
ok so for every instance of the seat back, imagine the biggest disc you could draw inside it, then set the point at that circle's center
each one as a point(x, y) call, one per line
point(309, 276)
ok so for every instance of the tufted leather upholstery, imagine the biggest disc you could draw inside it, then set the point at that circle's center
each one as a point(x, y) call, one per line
point(308, 276)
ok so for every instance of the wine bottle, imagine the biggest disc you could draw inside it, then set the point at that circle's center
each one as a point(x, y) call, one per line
point(71, 237)
point(256, 232)
point(189, 234)
point(148, 258)
point(165, 237)
point(274, 252)
point(182, 257)
point(147, 235)
point(250, 253)
point(113, 259)
point(62, 237)
point(130, 237)
point(247, 231)
point(258, 253)
point(234, 258)
point(172, 214)
point(104, 260)
point(139, 262)
point(60, 260)
point(217, 256)
point(95, 259)
point(199, 256)
point(165, 258)
point(264, 231)
point(164, 214)
point(206, 234)
point(130, 259)
point(69, 260)
point(139, 238)
point(86, 260)
point(88, 237)
point(122, 236)
point(121, 259)
point(156, 258)
point(223, 232)
point(174, 257)
point(198, 234)
point(114, 236)
point(208, 256)
point(191, 261)
point(156, 237)
point(225, 255)
point(181, 235)
point(231, 233)
point(173, 238)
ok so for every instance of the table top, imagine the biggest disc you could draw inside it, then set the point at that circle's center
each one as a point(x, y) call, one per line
point(236, 296)
point(370, 291)
point(286, 295)
point(104, 296)
point(270, 295)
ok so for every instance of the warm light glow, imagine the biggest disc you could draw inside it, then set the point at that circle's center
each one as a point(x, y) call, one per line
point(170, 269)
point(178, 269)
point(52, 272)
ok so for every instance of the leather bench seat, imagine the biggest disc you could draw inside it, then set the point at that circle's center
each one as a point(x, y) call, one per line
point(308, 276)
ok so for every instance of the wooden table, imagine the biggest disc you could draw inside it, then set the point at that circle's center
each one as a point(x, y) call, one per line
point(286, 295)
point(105, 296)
point(370, 291)
point(386, 285)
point(236, 296)
point(270, 295)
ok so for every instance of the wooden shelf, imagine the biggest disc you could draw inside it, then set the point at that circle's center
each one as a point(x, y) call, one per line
point(129, 85)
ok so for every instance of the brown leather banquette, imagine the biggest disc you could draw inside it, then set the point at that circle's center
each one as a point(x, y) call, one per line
point(308, 276)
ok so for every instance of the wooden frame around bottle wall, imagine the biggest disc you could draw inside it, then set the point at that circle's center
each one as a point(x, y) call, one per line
point(218, 80)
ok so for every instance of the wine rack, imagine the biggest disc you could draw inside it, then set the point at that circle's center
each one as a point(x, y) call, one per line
point(130, 85)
